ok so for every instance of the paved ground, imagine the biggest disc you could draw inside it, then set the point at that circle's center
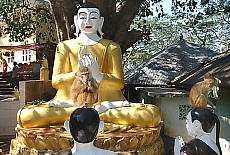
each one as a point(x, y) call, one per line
point(5, 143)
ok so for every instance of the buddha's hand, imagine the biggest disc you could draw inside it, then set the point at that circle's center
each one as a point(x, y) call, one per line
point(105, 105)
point(60, 104)
point(87, 60)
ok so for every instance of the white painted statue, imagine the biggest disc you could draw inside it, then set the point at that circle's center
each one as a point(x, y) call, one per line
point(84, 124)
point(204, 126)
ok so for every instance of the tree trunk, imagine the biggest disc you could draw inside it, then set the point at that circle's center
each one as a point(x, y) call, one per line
point(63, 12)
point(116, 26)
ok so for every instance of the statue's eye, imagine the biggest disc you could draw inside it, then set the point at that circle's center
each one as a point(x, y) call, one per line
point(93, 17)
point(82, 17)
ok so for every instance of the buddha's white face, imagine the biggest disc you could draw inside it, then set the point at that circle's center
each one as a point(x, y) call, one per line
point(88, 20)
point(190, 125)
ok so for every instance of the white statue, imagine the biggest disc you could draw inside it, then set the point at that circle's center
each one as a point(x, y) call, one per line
point(84, 124)
point(203, 125)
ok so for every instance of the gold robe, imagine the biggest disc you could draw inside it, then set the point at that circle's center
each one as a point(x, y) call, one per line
point(108, 55)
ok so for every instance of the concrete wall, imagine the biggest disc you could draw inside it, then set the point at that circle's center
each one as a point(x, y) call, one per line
point(223, 113)
point(172, 110)
point(29, 91)
point(34, 90)
point(8, 117)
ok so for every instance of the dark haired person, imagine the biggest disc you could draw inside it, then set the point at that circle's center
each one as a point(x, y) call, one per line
point(14, 77)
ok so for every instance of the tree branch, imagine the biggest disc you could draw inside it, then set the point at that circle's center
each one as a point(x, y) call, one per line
point(124, 19)
point(132, 37)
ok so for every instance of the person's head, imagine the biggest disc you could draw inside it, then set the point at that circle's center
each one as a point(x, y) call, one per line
point(88, 19)
point(84, 124)
point(199, 121)
point(15, 63)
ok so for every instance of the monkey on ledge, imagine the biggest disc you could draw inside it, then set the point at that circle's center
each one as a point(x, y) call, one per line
point(199, 93)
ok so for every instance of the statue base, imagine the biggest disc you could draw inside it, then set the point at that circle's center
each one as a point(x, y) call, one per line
point(156, 148)
point(114, 137)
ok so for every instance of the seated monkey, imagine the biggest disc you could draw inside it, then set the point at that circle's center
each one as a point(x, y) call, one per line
point(199, 93)
point(84, 90)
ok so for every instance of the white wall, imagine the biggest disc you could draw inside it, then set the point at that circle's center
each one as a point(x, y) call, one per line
point(9, 109)
point(18, 58)
point(8, 117)
point(169, 107)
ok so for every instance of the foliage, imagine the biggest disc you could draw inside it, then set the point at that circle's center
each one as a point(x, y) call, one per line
point(203, 22)
point(22, 19)
point(209, 7)
point(210, 31)
point(162, 33)
point(212, 93)
point(197, 22)
point(35, 102)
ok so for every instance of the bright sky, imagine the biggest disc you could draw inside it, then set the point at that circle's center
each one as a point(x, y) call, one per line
point(167, 4)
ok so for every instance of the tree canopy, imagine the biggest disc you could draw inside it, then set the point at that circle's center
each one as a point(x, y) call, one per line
point(125, 20)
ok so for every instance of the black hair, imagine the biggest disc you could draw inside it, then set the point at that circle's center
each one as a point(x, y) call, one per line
point(89, 5)
point(84, 124)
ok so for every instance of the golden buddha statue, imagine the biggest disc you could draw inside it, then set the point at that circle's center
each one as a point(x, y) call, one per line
point(101, 55)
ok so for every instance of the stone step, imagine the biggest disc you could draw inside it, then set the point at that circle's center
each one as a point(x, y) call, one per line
point(7, 85)
point(5, 88)
point(6, 92)
point(4, 82)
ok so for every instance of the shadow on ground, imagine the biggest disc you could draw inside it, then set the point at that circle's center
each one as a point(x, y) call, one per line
point(168, 143)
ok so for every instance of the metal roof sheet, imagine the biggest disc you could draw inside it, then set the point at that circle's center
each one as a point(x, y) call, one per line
point(164, 66)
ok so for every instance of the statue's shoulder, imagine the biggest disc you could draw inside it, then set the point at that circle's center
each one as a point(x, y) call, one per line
point(69, 42)
point(66, 45)
point(108, 42)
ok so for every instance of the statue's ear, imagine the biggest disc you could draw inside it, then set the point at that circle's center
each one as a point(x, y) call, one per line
point(101, 126)
point(66, 126)
point(197, 126)
point(76, 26)
point(100, 26)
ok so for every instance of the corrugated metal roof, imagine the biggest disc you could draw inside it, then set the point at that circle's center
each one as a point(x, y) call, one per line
point(218, 67)
point(162, 67)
